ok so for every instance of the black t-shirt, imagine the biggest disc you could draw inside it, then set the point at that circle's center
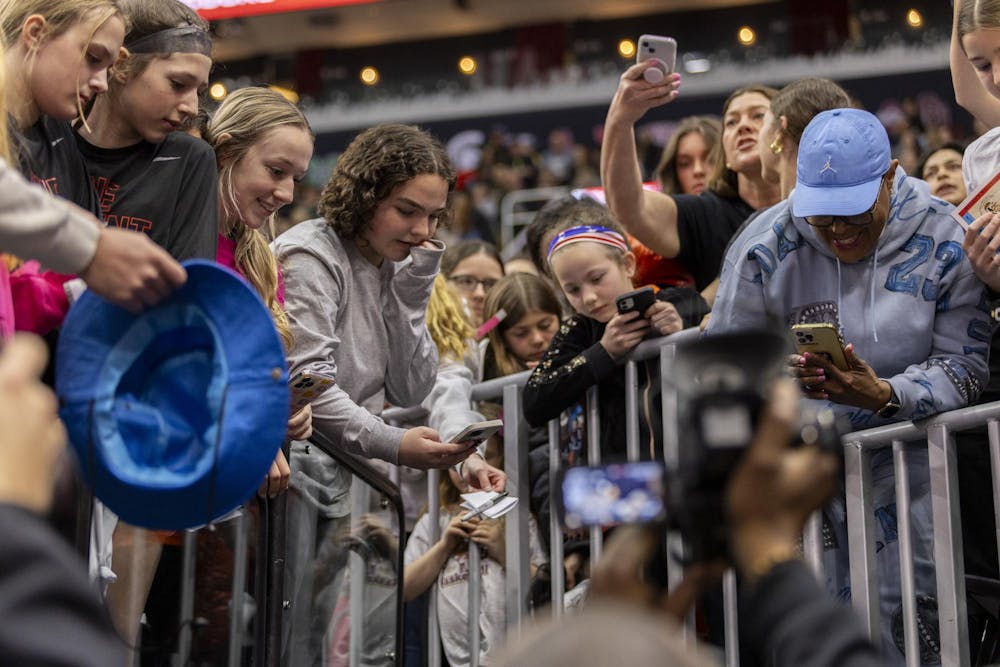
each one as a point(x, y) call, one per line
point(166, 190)
point(705, 223)
point(47, 155)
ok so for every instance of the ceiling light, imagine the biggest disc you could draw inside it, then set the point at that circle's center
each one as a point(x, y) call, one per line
point(369, 76)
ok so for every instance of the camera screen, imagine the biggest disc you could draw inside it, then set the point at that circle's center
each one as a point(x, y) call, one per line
point(613, 494)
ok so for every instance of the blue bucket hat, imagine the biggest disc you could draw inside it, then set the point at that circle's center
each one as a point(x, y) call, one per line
point(843, 155)
point(175, 413)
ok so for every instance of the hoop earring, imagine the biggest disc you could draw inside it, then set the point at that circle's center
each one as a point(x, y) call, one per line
point(776, 146)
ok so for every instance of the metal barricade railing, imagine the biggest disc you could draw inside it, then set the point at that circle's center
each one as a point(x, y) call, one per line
point(859, 485)
point(948, 547)
point(518, 208)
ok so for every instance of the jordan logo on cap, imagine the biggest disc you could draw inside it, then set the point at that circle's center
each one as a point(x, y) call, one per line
point(827, 167)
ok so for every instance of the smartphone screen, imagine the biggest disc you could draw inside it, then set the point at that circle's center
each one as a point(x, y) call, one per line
point(612, 495)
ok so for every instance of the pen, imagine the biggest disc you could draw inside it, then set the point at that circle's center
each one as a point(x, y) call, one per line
point(485, 506)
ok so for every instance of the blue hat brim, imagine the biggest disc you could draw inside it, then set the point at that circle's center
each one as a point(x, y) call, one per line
point(175, 413)
point(808, 200)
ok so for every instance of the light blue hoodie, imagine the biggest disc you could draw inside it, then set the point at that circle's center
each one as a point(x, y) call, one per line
point(921, 323)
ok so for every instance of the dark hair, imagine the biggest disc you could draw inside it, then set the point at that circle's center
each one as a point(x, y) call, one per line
point(552, 219)
point(801, 100)
point(588, 212)
point(724, 181)
point(146, 18)
point(517, 294)
point(379, 160)
point(456, 254)
point(666, 172)
point(950, 146)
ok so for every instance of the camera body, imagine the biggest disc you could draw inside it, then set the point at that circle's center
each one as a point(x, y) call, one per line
point(722, 383)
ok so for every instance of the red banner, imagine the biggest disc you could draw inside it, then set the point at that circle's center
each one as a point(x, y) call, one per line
point(227, 9)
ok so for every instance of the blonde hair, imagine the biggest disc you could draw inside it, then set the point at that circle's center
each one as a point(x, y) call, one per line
point(5, 152)
point(242, 120)
point(447, 323)
point(517, 294)
point(976, 15)
point(60, 16)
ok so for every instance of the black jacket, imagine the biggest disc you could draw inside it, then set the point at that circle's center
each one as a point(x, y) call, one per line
point(576, 361)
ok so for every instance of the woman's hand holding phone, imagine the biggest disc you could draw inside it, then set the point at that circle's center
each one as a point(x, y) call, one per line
point(858, 386)
point(421, 448)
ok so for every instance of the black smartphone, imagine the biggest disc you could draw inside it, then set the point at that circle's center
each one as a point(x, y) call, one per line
point(638, 300)
point(611, 495)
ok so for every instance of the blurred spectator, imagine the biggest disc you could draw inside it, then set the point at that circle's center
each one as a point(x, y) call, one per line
point(942, 169)
point(557, 159)
point(687, 158)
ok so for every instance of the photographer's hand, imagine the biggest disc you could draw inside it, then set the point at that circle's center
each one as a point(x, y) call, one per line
point(775, 488)
point(858, 386)
point(623, 333)
point(620, 574)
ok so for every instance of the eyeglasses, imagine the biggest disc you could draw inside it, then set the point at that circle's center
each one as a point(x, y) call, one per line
point(469, 283)
point(859, 220)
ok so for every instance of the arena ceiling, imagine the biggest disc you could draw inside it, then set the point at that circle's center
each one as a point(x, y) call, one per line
point(389, 21)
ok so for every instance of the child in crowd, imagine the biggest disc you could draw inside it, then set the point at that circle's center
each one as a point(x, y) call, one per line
point(532, 313)
point(263, 145)
point(473, 267)
point(57, 54)
point(592, 263)
point(446, 562)
point(150, 177)
point(357, 282)
point(531, 317)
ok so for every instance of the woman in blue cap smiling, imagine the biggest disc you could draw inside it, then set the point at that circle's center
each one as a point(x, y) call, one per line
point(863, 247)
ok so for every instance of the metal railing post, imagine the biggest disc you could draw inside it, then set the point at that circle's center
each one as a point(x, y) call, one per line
point(186, 615)
point(237, 611)
point(555, 530)
point(731, 618)
point(434, 510)
point(475, 588)
point(948, 551)
point(907, 586)
point(632, 410)
point(360, 504)
point(515, 447)
point(861, 537)
point(594, 458)
point(993, 428)
point(812, 543)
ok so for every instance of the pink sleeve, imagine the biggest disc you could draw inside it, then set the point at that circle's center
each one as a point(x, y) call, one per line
point(40, 301)
point(279, 293)
point(6, 305)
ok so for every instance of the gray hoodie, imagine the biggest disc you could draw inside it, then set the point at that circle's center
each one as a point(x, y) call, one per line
point(363, 325)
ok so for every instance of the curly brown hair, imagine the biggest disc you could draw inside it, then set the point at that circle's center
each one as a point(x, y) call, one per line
point(379, 160)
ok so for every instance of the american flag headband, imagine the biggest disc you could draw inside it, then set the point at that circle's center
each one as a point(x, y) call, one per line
point(592, 233)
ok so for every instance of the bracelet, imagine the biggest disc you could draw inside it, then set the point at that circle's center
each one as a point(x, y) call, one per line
point(458, 466)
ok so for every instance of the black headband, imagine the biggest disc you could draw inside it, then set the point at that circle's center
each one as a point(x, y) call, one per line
point(185, 39)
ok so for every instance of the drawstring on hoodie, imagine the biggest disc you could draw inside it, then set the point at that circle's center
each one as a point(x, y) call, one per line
point(871, 295)
point(871, 299)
